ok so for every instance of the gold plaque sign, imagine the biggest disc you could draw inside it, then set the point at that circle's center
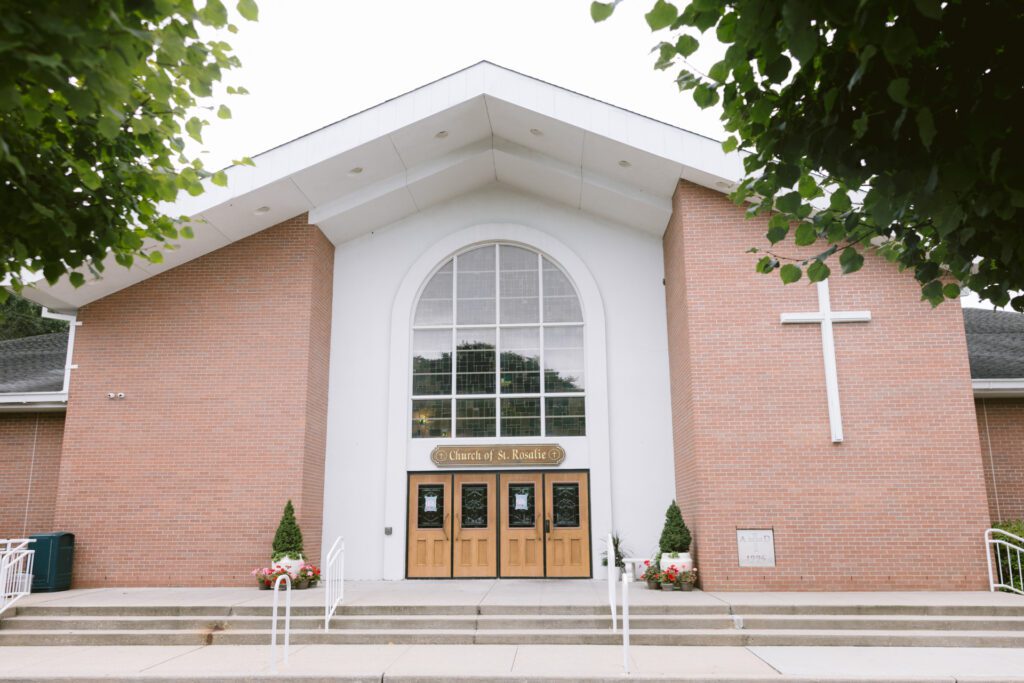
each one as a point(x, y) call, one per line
point(498, 455)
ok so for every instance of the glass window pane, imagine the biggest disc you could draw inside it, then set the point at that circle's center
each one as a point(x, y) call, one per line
point(520, 360)
point(430, 506)
point(565, 505)
point(435, 306)
point(475, 417)
point(563, 359)
point(560, 302)
point(565, 416)
point(431, 362)
point(475, 361)
point(522, 505)
point(520, 286)
point(474, 506)
point(432, 419)
point(476, 295)
point(520, 417)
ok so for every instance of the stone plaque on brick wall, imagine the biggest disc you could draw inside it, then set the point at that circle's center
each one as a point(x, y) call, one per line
point(500, 455)
point(756, 547)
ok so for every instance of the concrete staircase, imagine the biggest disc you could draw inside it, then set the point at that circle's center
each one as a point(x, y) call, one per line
point(712, 624)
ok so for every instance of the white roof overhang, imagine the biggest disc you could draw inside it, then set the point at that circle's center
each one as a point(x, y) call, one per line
point(478, 126)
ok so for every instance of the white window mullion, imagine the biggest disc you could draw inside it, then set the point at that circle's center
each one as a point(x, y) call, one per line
point(497, 340)
point(455, 348)
point(540, 350)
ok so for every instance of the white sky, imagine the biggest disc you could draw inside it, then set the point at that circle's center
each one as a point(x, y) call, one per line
point(309, 63)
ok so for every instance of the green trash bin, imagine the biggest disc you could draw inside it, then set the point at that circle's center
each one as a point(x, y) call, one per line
point(54, 554)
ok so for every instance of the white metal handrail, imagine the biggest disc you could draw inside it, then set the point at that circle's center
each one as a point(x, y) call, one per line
point(627, 578)
point(612, 578)
point(287, 620)
point(16, 562)
point(334, 580)
point(1008, 576)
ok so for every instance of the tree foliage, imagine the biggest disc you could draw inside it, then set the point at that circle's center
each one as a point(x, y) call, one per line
point(675, 536)
point(96, 98)
point(21, 318)
point(888, 125)
point(288, 538)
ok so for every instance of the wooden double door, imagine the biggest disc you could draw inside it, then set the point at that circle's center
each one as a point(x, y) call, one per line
point(508, 524)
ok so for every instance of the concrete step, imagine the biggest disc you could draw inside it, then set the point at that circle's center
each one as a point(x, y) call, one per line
point(674, 637)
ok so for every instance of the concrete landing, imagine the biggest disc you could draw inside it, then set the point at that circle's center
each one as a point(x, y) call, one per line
point(504, 663)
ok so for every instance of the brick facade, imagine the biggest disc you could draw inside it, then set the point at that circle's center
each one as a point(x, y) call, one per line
point(223, 361)
point(1001, 425)
point(751, 426)
point(30, 446)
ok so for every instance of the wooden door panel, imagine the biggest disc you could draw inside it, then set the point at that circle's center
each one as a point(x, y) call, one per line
point(430, 526)
point(475, 525)
point(567, 518)
point(522, 532)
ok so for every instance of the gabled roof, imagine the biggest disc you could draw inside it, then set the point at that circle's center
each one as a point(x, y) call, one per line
point(995, 343)
point(33, 364)
point(481, 125)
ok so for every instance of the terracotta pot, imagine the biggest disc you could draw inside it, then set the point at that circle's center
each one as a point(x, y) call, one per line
point(264, 586)
point(301, 584)
point(668, 586)
point(686, 586)
point(653, 584)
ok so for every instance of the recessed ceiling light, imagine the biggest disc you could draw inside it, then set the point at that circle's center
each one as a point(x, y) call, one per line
point(624, 164)
point(262, 210)
point(536, 131)
point(356, 171)
point(441, 134)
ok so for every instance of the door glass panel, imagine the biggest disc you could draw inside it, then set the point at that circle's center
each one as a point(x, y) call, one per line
point(430, 506)
point(521, 506)
point(474, 506)
point(565, 504)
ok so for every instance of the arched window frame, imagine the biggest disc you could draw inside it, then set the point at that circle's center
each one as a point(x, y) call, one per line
point(554, 424)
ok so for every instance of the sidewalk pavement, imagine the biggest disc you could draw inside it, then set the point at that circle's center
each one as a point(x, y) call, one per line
point(402, 663)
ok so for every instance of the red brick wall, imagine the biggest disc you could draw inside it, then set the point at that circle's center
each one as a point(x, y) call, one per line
point(1001, 424)
point(29, 464)
point(901, 503)
point(223, 361)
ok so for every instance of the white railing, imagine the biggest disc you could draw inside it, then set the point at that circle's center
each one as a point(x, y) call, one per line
point(16, 561)
point(1005, 553)
point(613, 577)
point(287, 620)
point(334, 580)
point(627, 578)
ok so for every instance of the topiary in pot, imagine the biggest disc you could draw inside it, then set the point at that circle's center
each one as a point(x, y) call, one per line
point(675, 541)
point(288, 541)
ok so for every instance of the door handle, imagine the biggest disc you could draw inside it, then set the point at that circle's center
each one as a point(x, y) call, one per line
point(547, 526)
point(458, 526)
point(444, 527)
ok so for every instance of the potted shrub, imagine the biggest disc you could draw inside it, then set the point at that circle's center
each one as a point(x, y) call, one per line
point(288, 542)
point(675, 541)
point(266, 577)
point(620, 556)
point(309, 575)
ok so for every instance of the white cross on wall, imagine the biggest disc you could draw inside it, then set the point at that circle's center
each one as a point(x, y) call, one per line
point(825, 316)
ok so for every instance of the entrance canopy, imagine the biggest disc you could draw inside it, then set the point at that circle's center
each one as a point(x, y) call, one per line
point(478, 126)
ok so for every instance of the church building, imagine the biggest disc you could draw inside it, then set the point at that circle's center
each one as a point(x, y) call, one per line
point(477, 328)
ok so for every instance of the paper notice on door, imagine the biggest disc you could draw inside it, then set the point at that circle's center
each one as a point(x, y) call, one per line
point(430, 503)
point(521, 503)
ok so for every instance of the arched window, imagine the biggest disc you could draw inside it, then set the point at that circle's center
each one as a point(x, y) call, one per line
point(512, 321)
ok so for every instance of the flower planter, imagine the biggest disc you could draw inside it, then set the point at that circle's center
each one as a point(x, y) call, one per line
point(264, 586)
point(668, 586)
point(653, 585)
point(301, 584)
point(682, 563)
point(686, 586)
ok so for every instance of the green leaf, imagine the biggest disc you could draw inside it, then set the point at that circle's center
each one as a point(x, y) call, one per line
point(90, 178)
point(932, 293)
point(661, 15)
point(109, 126)
point(860, 126)
point(729, 144)
point(790, 273)
point(925, 126)
point(929, 8)
point(789, 202)
point(898, 89)
point(220, 178)
point(951, 291)
point(599, 11)
point(778, 228)
point(76, 279)
point(766, 264)
point(223, 112)
point(839, 201)
point(817, 271)
point(805, 234)
point(866, 55)
point(808, 187)
point(850, 260)
point(687, 45)
point(249, 10)
point(705, 96)
point(719, 71)
point(194, 128)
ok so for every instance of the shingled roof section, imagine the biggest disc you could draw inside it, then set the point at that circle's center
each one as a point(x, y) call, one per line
point(995, 343)
point(33, 363)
